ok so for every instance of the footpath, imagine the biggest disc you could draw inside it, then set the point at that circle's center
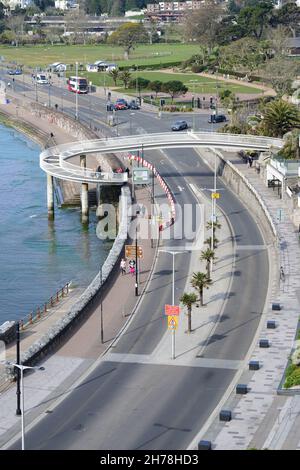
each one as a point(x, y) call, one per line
point(262, 419)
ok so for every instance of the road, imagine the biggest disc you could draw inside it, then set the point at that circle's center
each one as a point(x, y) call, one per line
point(154, 406)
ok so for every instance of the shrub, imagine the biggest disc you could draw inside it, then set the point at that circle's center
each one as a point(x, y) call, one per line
point(140, 82)
point(292, 376)
point(197, 68)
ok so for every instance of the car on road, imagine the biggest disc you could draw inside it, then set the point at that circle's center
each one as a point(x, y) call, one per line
point(179, 126)
point(133, 105)
point(121, 104)
point(14, 72)
point(217, 118)
point(42, 79)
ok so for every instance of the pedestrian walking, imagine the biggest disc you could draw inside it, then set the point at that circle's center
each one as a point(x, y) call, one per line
point(132, 270)
point(123, 266)
point(250, 161)
point(282, 275)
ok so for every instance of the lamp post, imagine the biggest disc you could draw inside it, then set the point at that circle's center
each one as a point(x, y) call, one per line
point(130, 121)
point(101, 309)
point(193, 82)
point(21, 368)
point(49, 95)
point(76, 94)
point(173, 253)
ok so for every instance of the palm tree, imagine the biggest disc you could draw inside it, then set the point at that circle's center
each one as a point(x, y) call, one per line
point(125, 77)
point(217, 225)
point(188, 300)
point(114, 74)
point(280, 117)
point(208, 255)
point(200, 281)
point(208, 242)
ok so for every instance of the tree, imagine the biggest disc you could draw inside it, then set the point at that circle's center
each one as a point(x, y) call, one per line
point(201, 25)
point(139, 83)
point(128, 35)
point(200, 281)
point(281, 72)
point(289, 16)
point(208, 242)
point(188, 300)
point(125, 77)
point(291, 146)
point(16, 24)
point(114, 74)
point(280, 117)
point(208, 255)
point(155, 86)
point(255, 17)
point(174, 88)
point(216, 225)
point(93, 7)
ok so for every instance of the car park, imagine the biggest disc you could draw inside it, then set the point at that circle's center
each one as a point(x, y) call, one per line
point(179, 126)
point(217, 118)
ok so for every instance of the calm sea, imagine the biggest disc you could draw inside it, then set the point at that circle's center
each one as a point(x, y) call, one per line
point(37, 257)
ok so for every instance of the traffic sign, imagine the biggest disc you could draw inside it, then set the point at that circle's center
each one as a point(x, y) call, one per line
point(172, 310)
point(140, 175)
point(172, 322)
point(215, 195)
point(130, 251)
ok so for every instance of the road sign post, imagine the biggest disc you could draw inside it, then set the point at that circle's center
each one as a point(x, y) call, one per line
point(172, 311)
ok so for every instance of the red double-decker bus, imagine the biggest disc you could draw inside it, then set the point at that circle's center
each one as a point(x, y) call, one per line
point(78, 85)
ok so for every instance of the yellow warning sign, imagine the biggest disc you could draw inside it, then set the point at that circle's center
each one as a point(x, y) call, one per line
point(172, 322)
point(215, 195)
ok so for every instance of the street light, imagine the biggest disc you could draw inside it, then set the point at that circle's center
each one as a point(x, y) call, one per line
point(22, 368)
point(173, 253)
point(76, 93)
point(130, 121)
point(193, 82)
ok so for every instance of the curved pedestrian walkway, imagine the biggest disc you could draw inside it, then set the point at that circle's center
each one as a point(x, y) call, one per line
point(262, 419)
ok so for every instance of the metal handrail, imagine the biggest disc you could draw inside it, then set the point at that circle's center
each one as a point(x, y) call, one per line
point(62, 153)
point(41, 311)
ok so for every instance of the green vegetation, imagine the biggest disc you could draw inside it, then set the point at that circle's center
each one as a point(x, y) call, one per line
point(188, 300)
point(202, 84)
point(292, 376)
point(144, 54)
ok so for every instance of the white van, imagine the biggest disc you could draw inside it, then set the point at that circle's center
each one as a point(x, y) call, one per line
point(42, 79)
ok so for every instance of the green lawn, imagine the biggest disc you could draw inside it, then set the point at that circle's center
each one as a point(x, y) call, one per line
point(43, 55)
point(202, 84)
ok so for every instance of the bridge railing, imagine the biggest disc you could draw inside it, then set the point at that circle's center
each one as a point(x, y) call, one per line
point(89, 173)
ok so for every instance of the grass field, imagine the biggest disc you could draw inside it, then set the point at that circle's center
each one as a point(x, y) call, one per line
point(144, 54)
point(202, 84)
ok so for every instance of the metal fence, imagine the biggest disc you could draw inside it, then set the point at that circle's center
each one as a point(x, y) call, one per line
point(42, 311)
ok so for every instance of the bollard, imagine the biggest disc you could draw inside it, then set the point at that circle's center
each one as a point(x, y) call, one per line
point(57, 297)
point(30, 318)
point(51, 301)
point(38, 313)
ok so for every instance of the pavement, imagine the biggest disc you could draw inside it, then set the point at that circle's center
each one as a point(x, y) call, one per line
point(262, 419)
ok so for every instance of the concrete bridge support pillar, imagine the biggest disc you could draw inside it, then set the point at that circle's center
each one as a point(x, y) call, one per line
point(84, 195)
point(50, 197)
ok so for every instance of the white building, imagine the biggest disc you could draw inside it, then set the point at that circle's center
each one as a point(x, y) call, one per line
point(14, 3)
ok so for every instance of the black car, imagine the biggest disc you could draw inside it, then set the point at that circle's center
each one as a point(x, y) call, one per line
point(133, 105)
point(179, 126)
point(217, 118)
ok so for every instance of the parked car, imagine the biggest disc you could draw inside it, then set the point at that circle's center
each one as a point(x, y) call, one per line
point(11, 72)
point(217, 118)
point(121, 104)
point(133, 105)
point(179, 126)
